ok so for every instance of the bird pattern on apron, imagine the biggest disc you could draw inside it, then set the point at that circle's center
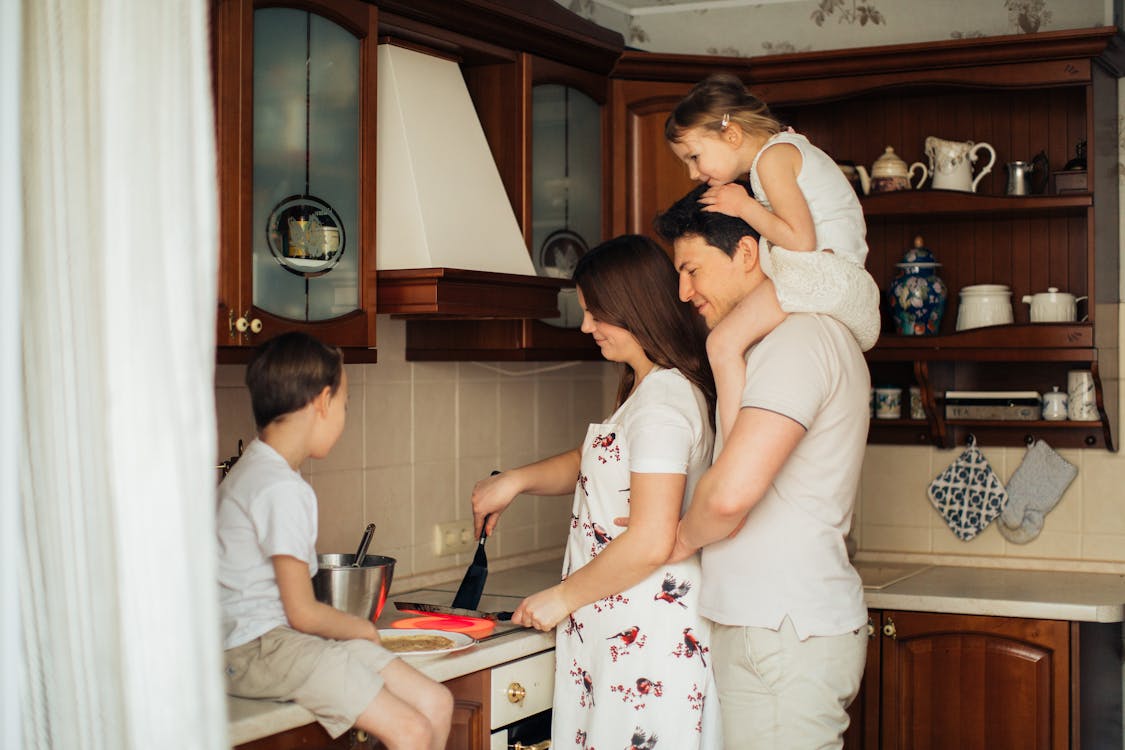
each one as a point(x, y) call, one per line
point(631, 669)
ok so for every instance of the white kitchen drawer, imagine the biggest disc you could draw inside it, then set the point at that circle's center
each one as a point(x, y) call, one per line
point(535, 675)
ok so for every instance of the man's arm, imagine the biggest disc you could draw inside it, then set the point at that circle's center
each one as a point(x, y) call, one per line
point(760, 443)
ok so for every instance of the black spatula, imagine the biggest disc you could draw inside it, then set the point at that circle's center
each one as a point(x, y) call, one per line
point(472, 585)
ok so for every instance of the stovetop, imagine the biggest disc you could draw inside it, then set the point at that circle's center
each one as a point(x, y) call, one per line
point(444, 597)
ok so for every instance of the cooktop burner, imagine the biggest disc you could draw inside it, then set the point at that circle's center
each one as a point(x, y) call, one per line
point(443, 597)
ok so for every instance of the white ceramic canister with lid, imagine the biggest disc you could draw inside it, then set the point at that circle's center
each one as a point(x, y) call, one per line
point(984, 305)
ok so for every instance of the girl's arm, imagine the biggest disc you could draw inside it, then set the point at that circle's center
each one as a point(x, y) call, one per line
point(308, 615)
point(654, 511)
point(790, 223)
point(556, 475)
point(747, 322)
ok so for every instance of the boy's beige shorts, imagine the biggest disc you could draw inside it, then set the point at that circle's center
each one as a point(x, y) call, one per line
point(335, 680)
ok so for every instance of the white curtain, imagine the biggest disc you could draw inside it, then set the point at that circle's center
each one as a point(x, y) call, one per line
point(117, 597)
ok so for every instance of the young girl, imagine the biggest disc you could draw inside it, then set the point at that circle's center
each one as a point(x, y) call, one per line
point(812, 226)
point(631, 647)
point(280, 642)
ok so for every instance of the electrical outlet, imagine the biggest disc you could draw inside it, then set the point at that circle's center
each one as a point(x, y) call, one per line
point(453, 537)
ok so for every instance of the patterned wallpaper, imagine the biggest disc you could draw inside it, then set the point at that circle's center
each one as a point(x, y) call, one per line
point(807, 25)
point(786, 26)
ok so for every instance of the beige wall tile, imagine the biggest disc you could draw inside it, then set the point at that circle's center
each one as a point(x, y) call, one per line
point(895, 538)
point(234, 420)
point(1103, 493)
point(389, 424)
point(387, 502)
point(470, 471)
point(1109, 547)
point(517, 418)
point(435, 421)
point(554, 419)
point(478, 419)
point(988, 542)
point(1049, 544)
point(340, 517)
point(893, 486)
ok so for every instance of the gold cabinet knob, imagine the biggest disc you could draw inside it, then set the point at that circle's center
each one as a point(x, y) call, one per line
point(870, 629)
point(516, 693)
point(360, 735)
point(889, 628)
point(255, 326)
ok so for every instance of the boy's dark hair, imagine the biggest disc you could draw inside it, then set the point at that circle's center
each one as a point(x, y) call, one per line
point(288, 372)
point(686, 218)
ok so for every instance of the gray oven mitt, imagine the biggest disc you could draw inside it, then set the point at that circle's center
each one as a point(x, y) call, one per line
point(1033, 491)
point(968, 494)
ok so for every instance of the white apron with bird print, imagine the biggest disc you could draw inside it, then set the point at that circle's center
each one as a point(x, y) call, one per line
point(632, 670)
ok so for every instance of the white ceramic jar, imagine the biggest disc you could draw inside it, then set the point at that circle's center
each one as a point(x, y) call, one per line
point(984, 305)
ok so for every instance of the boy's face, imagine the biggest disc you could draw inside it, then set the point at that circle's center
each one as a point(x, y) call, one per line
point(709, 278)
point(332, 425)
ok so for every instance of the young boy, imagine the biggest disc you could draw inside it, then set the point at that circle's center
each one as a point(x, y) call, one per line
point(281, 643)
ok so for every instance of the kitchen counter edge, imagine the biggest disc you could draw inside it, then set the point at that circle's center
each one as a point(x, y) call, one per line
point(250, 720)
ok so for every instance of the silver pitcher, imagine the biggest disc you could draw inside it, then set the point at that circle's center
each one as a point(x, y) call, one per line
point(1019, 177)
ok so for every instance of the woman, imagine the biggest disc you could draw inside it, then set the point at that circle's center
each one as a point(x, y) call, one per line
point(631, 649)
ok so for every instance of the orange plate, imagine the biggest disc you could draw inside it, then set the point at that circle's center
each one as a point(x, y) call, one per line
point(474, 627)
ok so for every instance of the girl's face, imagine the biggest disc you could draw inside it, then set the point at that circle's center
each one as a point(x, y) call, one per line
point(616, 343)
point(713, 158)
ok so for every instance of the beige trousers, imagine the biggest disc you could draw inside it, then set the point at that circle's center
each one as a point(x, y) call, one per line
point(780, 693)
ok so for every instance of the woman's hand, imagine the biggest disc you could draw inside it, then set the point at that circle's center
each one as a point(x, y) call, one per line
point(542, 611)
point(491, 496)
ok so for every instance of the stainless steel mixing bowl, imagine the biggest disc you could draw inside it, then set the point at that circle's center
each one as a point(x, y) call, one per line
point(361, 591)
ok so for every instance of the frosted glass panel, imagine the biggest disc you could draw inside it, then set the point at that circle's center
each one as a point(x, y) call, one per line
point(306, 175)
point(566, 175)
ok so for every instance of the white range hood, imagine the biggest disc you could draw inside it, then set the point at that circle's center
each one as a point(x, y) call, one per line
point(440, 202)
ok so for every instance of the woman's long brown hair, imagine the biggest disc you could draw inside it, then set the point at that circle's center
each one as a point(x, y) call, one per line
point(630, 282)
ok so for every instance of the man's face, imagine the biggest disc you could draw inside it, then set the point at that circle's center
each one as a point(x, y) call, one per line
point(709, 278)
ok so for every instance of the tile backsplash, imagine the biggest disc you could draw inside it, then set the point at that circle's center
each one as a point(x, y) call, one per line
point(420, 434)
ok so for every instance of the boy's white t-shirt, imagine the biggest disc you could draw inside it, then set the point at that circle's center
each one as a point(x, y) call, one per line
point(266, 508)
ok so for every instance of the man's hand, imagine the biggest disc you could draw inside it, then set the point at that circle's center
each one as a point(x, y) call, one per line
point(682, 550)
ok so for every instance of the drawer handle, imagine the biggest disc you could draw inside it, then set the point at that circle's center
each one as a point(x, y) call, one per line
point(890, 630)
point(516, 693)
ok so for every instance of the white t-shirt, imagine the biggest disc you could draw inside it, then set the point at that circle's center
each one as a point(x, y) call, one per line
point(836, 212)
point(790, 558)
point(265, 509)
point(665, 422)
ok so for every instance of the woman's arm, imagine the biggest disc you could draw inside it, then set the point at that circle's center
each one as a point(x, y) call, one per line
point(556, 475)
point(654, 510)
point(308, 615)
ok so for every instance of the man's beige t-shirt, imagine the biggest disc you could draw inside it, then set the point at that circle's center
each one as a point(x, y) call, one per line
point(789, 559)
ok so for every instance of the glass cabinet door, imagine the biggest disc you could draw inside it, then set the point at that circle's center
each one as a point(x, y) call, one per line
point(566, 177)
point(306, 166)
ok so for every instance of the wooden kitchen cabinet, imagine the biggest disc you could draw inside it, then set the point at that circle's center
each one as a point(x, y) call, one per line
point(295, 134)
point(972, 681)
point(1021, 94)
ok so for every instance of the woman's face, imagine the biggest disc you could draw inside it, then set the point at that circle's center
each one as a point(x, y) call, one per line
point(616, 343)
point(709, 157)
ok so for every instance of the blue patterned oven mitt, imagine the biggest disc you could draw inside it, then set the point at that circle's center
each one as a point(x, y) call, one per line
point(968, 494)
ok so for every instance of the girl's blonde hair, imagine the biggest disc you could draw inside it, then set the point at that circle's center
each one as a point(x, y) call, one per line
point(715, 102)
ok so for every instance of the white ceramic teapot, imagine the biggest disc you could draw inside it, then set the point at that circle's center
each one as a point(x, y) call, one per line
point(1053, 306)
point(951, 163)
point(890, 173)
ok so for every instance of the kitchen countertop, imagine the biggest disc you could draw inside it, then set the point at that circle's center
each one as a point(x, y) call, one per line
point(1087, 597)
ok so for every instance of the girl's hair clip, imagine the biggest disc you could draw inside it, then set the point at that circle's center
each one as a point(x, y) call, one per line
point(726, 121)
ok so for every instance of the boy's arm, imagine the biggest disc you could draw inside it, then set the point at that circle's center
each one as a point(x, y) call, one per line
point(308, 615)
point(751, 319)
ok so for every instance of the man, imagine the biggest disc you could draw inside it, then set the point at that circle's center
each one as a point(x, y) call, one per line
point(772, 512)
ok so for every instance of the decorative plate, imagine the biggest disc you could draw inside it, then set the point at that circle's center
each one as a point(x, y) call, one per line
point(420, 642)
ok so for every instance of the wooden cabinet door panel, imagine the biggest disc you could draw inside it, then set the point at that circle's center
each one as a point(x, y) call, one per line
point(963, 681)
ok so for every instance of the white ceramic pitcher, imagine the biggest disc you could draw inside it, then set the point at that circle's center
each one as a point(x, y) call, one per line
point(951, 163)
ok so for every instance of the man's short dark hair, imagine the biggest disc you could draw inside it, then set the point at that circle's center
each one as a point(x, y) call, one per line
point(686, 218)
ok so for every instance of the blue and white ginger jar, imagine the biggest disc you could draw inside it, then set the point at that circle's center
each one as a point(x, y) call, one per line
point(917, 295)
